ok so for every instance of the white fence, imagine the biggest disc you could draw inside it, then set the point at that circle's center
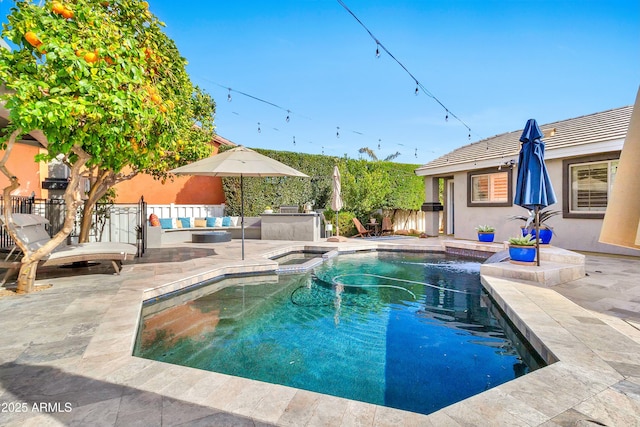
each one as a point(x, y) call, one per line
point(185, 211)
point(407, 220)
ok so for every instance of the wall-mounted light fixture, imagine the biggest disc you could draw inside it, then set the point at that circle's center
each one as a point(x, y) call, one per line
point(508, 164)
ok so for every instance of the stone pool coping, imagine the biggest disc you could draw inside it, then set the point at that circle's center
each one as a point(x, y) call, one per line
point(597, 372)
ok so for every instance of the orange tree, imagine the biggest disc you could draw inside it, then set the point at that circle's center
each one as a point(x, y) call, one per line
point(110, 92)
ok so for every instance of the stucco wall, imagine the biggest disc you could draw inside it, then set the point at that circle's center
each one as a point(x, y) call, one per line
point(571, 233)
point(21, 163)
point(182, 190)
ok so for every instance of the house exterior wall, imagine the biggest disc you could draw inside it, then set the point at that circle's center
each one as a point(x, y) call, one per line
point(186, 190)
point(578, 234)
point(21, 163)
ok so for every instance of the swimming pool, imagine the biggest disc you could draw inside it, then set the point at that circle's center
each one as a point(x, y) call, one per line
point(410, 331)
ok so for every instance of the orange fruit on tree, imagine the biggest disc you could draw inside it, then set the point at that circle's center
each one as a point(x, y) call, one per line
point(58, 7)
point(90, 57)
point(144, 5)
point(33, 40)
point(67, 13)
point(156, 98)
point(163, 108)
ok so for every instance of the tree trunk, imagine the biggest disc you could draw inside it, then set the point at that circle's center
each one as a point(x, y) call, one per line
point(98, 189)
point(27, 276)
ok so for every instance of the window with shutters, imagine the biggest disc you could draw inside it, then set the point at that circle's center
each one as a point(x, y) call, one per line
point(591, 185)
point(489, 188)
point(587, 186)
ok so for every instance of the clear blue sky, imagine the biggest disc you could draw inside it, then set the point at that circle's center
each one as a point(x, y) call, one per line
point(492, 63)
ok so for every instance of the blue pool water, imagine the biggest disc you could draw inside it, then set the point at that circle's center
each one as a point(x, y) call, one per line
point(409, 331)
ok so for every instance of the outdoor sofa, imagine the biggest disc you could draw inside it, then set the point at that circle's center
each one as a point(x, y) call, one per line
point(179, 230)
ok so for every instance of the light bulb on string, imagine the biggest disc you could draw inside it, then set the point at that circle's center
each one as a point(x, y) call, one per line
point(294, 140)
point(229, 95)
point(446, 118)
point(416, 153)
point(469, 136)
point(417, 88)
point(337, 131)
point(377, 50)
point(259, 130)
point(288, 118)
point(323, 150)
point(379, 140)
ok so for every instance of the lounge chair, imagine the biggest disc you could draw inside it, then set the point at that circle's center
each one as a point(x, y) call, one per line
point(362, 232)
point(387, 226)
point(31, 230)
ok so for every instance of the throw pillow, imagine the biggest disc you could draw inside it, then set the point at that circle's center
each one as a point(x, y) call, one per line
point(185, 222)
point(154, 221)
point(235, 221)
point(166, 223)
point(226, 221)
point(211, 221)
point(200, 222)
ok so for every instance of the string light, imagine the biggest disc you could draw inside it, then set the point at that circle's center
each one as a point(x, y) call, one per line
point(294, 140)
point(288, 118)
point(259, 130)
point(416, 153)
point(337, 132)
point(377, 50)
point(229, 95)
point(418, 85)
point(446, 118)
point(379, 140)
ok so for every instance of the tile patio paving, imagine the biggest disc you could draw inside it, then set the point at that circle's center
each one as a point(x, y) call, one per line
point(71, 344)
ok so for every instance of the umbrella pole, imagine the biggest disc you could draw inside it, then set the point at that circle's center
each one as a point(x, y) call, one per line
point(337, 223)
point(242, 212)
point(537, 208)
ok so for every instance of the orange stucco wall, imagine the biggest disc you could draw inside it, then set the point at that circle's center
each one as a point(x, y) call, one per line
point(22, 164)
point(183, 190)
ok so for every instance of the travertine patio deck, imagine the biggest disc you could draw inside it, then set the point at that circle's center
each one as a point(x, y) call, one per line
point(72, 344)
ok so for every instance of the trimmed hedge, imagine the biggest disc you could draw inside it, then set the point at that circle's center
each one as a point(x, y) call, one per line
point(366, 186)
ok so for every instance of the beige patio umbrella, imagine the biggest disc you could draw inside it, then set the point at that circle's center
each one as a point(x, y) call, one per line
point(336, 201)
point(239, 161)
point(621, 225)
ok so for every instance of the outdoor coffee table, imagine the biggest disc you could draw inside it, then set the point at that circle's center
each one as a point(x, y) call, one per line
point(211, 237)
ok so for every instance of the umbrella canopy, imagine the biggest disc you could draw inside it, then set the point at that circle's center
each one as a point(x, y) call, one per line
point(336, 196)
point(533, 187)
point(239, 161)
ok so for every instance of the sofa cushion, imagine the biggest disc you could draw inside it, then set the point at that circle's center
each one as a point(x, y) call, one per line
point(226, 221)
point(186, 222)
point(235, 221)
point(167, 223)
point(154, 221)
point(200, 222)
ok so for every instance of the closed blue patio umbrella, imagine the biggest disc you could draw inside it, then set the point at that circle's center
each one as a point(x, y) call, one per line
point(533, 187)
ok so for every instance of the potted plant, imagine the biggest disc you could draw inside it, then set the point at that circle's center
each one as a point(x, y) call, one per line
point(486, 233)
point(522, 249)
point(546, 231)
point(268, 210)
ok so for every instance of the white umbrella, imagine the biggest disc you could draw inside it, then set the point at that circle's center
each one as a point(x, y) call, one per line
point(336, 196)
point(239, 161)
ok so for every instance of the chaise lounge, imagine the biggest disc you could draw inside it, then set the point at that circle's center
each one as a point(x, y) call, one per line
point(31, 230)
